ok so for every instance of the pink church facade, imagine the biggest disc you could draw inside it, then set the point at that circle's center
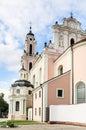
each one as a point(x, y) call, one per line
point(58, 74)
point(66, 88)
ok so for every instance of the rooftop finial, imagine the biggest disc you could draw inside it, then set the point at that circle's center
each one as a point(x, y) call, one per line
point(30, 27)
point(71, 15)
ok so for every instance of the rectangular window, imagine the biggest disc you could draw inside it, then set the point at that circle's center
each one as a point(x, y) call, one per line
point(60, 93)
point(21, 75)
point(17, 105)
point(29, 92)
point(39, 93)
point(35, 95)
point(24, 106)
point(24, 75)
point(39, 111)
point(34, 80)
point(35, 111)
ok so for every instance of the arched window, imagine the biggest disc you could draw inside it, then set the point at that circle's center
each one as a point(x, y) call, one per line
point(80, 92)
point(72, 42)
point(30, 51)
point(17, 105)
point(30, 65)
point(61, 39)
point(60, 70)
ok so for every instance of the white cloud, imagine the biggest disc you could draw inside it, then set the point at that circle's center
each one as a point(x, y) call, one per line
point(10, 54)
point(14, 23)
point(16, 15)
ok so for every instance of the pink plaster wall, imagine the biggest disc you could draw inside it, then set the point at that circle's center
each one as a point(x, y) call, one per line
point(50, 68)
point(80, 63)
point(29, 102)
point(60, 82)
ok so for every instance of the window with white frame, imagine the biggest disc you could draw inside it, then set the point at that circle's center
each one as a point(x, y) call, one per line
point(34, 80)
point(17, 105)
point(35, 111)
point(30, 49)
point(61, 39)
point(60, 70)
point(39, 111)
point(40, 75)
point(24, 75)
point(39, 93)
point(81, 92)
point(29, 92)
point(30, 65)
point(35, 95)
point(60, 93)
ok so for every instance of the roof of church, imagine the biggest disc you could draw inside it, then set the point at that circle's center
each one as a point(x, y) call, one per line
point(30, 32)
point(22, 83)
point(82, 40)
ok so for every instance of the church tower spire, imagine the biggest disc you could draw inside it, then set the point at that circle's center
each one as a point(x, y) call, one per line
point(29, 55)
point(22, 88)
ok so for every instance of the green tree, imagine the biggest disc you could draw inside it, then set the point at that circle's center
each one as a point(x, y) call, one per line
point(3, 106)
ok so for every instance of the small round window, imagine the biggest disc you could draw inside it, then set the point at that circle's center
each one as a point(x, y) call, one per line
point(18, 91)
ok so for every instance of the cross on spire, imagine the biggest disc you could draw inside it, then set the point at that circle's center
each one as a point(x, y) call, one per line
point(30, 27)
point(71, 15)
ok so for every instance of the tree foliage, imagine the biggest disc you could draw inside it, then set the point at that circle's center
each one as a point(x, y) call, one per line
point(3, 106)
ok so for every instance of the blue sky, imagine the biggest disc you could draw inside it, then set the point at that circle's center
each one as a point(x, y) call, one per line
point(15, 16)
